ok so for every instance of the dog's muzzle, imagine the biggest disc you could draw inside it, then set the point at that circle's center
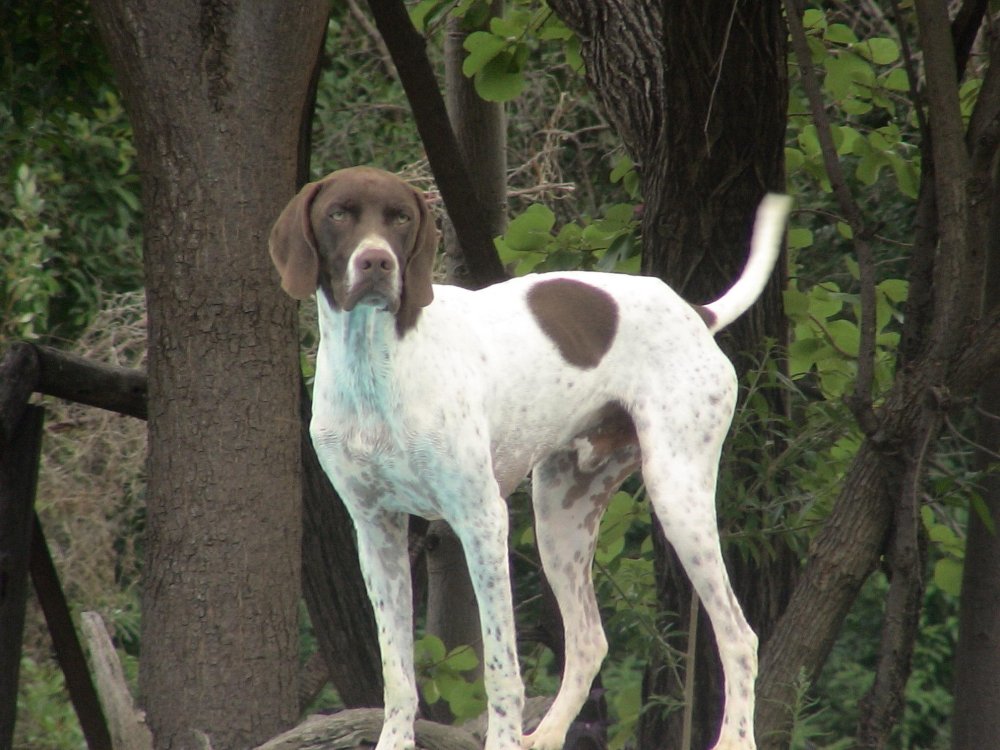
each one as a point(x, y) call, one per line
point(372, 279)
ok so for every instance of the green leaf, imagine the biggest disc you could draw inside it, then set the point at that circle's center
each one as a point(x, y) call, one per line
point(482, 47)
point(907, 175)
point(424, 12)
point(531, 230)
point(982, 510)
point(809, 140)
point(879, 50)
point(848, 76)
point(896, 80)
point(845, 137)
point(467, 701)
point(839, 33)
point(796, 303)
point(623, 166)
point(502, 78)
point(429, 650)
point(431, 692)
point(794, 159)
point(854, 106)
point(814, 18)
point(825, 301)
point(895, 289)
point(461, 659)
point(845, 336)
point(799, 237)
point(948, 575)
point(803, 354)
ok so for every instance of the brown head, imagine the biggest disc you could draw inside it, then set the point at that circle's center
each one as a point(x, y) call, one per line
point(363, 237)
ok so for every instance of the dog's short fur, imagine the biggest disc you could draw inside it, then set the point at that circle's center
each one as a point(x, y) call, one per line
point(437, 401)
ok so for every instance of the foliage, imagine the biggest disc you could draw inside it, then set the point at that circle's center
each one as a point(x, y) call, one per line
point(45, 719)
point(499, 54)
point(441, 675)
point(864, 81)
point(26, 286)
point(69, 218)
point(850, 670)
point(608, 243)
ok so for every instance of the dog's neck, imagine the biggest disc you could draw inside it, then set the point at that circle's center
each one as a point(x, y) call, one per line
point(359, 347)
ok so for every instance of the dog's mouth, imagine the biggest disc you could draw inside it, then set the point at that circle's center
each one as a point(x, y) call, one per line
point(372, 293)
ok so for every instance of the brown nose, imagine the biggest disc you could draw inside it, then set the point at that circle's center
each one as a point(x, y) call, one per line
point(374, 262)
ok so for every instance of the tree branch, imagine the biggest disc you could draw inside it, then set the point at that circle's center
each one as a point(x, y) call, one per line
point(860, 401)
point(453, 179)
point(953, 282)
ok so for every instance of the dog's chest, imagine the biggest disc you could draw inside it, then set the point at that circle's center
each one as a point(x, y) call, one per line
point(380, 442)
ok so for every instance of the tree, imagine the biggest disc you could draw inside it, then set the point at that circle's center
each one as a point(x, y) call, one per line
point(945, 343)
point(216, 93)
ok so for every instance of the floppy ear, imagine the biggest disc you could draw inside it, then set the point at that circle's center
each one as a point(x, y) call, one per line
point(293, 245)
point(417, 289)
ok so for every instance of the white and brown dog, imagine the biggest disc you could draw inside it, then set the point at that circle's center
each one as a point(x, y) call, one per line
point(438, 401)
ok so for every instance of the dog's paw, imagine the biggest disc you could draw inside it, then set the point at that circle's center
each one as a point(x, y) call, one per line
point(544, 739)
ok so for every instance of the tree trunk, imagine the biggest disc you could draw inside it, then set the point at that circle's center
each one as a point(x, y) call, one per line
point(698, 91)
point(976, 717)
point(481, 131)
point(976, 713)
point(216, 93)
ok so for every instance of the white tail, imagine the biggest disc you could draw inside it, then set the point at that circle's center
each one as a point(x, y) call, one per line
point(765, 246)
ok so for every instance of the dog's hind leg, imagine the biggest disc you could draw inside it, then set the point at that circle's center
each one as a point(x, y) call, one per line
point(569, 503)
point(680, 464)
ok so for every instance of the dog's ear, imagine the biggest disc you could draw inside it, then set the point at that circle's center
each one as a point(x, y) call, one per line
point(293, 245)
point(417, 274)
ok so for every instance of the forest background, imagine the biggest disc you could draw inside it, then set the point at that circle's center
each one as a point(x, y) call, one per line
point(71, 237)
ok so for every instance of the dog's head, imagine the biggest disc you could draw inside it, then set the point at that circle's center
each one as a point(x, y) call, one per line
point(361, 236)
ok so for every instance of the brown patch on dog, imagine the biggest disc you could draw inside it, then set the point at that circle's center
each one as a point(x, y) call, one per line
point(580, 319)
point(706, 315)
point(613, 430)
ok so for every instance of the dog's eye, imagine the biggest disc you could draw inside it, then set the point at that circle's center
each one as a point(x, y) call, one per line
point(339, 214)
point(399, 218)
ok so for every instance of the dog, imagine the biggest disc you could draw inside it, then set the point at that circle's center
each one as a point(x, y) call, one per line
point(438, 401)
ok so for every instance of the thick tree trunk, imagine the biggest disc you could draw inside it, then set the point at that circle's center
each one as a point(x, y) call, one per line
point(698, 91)
point(976, 717)
point(216, 93)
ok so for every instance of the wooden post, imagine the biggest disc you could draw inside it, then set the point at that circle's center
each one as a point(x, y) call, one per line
point(66, 645)
point(18, 475)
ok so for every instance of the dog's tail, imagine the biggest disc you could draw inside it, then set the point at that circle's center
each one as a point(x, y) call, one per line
point(765, 246)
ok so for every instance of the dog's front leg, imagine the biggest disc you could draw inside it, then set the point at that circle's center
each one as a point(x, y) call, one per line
point(385, 563)
point(484, 539)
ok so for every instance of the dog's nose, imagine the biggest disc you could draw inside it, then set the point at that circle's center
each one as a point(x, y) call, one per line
point(374, 261)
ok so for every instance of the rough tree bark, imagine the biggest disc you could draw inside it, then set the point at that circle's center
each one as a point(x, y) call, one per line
point(216, 92)
point(698, 91)
point(976, 714)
